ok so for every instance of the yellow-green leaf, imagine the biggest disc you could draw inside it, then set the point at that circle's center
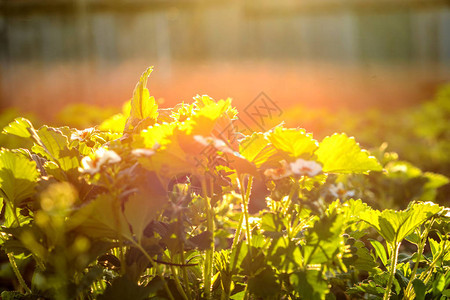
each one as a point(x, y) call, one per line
point(140, 209)
point(115, 123)
point(54, 146)
point(143, 107)
point(20, 127)
point(256, 149)
point(294, 142)
point(101, 218)
point(341, 154)
point(393, 225)
point(18, 176)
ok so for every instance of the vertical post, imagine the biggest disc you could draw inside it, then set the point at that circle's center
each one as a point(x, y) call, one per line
point(163, 51)
point(84, 45)
point(4, 58)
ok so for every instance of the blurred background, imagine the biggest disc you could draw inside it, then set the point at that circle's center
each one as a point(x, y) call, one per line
point(353, 53)
point(373, 68)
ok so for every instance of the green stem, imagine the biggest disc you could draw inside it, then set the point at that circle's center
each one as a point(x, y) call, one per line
point(286, 208)
point(393, 267)
point(118, 224)
point(12, 261)
point(166, 287)
point(245, 197)
point(14, 212)
point(208, 266)
point(237, 234)
point(177, 283)
point(22, 282)
point(409, 292)
point(234, 253)
point(425, 276)
point(234, 249)
point(184, 271)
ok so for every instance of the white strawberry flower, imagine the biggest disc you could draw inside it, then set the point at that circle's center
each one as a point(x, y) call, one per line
point(339, 191)
point(81, 135)
point(305, 167)
point(279, 173)
point(210, 141)
point(141, 152)
point(92, 164)
point(299, 167)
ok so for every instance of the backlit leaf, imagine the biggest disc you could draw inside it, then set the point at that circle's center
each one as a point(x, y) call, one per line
point(364, 260)
point(125, 288)
point(419, 288)
point(379, 250)
point(18, 176)
point(115, 123)
point(256, 149)
point(54, 146)
point(143, 107)
point(102, 217)
point(309, 284)
point(393, 225)
point(20, 127)
point(294, 142)
point(341, 154)
point(141, 208)
point(264, 284)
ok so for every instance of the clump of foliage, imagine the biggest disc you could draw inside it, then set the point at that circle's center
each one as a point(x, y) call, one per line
point(154, 204)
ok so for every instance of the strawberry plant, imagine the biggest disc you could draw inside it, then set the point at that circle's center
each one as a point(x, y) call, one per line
point(154, 204)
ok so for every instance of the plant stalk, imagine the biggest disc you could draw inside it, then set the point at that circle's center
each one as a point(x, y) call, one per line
point(409, 292)
point(22, 282)
point(245, 197)
point(178, 284)
point(208, 266)
point(393, 267)
point(166, 287)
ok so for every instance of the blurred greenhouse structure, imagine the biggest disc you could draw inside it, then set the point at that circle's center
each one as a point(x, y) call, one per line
point(113, 30)
point(45, 33)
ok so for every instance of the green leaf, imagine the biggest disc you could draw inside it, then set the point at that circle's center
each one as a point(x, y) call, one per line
point(341, 154)
point(434, 182)
point(271, 222)
point(403, 169)
point(294, 142)
point(54, 146)
point(7, 295)
point(369, 287)
point(324, 239)
point(264, 284)
point(115, 123)
point(309, 284)
point(364, 260)
point(352, 209)
point(124, 288)
point(20, 127)
point(238, 296)
point(419, 288)
point(379, 250)
point(140, 210)
point(10, 217)
point(283, 255)
point(102, 217)
point(256, 149)
point(393, 225)
point(439, 284)
point(143, 107)
point(201, 241)
point(18, 176)
point(435, 247)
